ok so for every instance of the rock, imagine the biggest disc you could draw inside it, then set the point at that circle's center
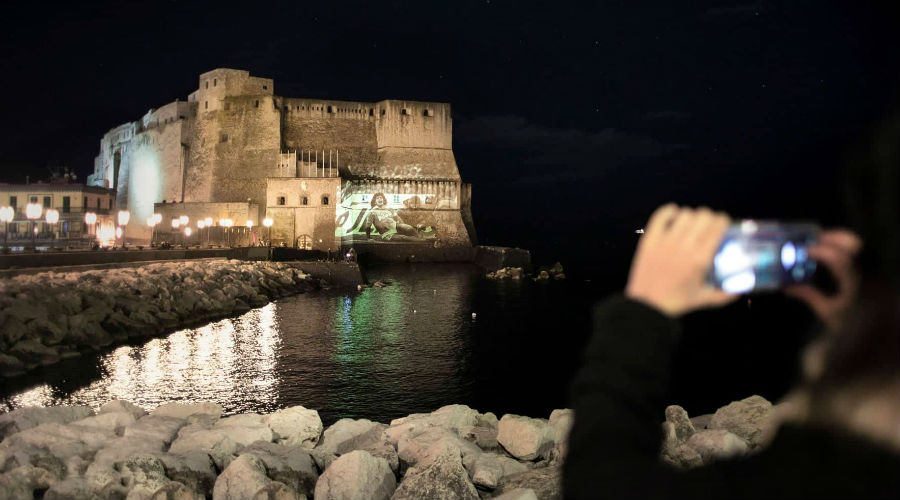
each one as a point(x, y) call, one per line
point(487, 420)
point(245, 429)
point(561, 421)
point(717, 444)
point(679, 419)
point(347, 435)
point(443, 476)
point(458, 419)
point(194, 469)
point(155, 427)
point(143, 475)
point(357, 475)
point(176, 491)
point(114, 422)
point(10, 365)
point(24, 482)
point(484, 437)
point(322, 458)
point(489, 468)
point(28, 417)
point(525, 438)
point(122, 406)
point(518, 494)
point(291, 465)
point(701, 422)
point(545, 481)
point(215, 442)
point(106, 469)
point(681, 457)
point(746, 418)
point(187, 410)
point(277, 491)
point(242, 479)
point(296, 426)
point(73, 488)
point(419, 446)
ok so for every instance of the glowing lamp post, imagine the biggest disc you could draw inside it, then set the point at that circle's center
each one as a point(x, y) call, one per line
point(208, 224)
point(175, 224)
point(52, 217)
point(124, 217)
point(151, 221)
point(90, 218)
point(187, 234)
point(249, 225)
point(227, 223)
point(200, 225)
point(33, 213)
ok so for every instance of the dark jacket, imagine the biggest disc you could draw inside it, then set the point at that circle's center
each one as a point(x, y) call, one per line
point(619, 397)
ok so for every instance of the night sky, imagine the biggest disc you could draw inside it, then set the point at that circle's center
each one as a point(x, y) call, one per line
point(572, 122)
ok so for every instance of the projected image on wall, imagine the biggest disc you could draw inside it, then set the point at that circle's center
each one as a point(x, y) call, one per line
point(381, 218)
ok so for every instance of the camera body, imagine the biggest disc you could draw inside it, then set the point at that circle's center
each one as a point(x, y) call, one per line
point(764, 256)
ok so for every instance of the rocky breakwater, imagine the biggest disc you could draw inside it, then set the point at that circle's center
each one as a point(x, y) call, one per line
point(50, 316)
point(188, 451)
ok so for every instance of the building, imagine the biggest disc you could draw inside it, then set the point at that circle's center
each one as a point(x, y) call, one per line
point(71, 200)
point(388, 166)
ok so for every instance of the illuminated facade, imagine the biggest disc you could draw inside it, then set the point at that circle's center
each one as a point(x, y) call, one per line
point(234, 140)
point(72, 201)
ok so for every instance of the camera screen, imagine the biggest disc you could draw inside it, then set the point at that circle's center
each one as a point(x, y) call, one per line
point(757, 256)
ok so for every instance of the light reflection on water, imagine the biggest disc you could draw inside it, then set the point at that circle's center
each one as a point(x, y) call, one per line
point(379, 354)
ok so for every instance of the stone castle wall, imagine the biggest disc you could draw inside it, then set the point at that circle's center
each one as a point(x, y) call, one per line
point(225, 141)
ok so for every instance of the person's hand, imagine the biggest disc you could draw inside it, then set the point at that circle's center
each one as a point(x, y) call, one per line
point(673, 257)
point(835, 250)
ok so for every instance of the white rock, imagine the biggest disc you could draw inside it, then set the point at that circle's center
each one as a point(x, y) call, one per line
point(459, 419)
point(187, 410)
point(747, 418)
point(518, 494)
point(120, 405)
point(717, 444)
point(291, 465)
point(526, 438)
point(218, 443)
point(243, 477)
point(490, 468)
point(28, 417)
point(419, 446)
point(296, 426)
point(348, 434)
point(442, 476)
point(356, 475)
point(561, 421)
point(113, 421)
point(155, 427)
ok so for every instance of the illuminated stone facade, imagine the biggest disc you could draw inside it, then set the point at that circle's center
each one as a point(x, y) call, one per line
point(229, 143)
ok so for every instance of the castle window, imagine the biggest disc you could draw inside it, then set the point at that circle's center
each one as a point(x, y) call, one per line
point(371, 111)
point(427, 112)
point(256, 104)
point(382, 111)
point(205, 104)
point(214, 82)
point(286, 108)
point(98, 203)
point(13, 201)
point(227, 106)
point(207, 83)
point(110, 203)
point(281, 200)
point(181, 117)
point(404, 111)
point(330, 109)
point(396, 198)
point(304, 201)
point(46, 202)
point(325, 200)
point(265, 87)
point(224, 138)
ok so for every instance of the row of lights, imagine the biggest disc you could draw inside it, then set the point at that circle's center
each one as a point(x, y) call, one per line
point(207, 223)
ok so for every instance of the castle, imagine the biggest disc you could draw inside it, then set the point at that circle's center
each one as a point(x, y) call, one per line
point(327, 173)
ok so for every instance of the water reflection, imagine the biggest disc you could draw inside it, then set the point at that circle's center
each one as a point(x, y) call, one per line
point(379, 354)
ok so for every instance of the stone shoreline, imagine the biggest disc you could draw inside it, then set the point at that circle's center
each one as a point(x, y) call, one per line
point(189, 451)
point(50, 316)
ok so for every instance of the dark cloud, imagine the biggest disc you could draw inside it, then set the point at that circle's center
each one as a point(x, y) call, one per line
point(576, 153)
point(751, 8)
point(666, 115)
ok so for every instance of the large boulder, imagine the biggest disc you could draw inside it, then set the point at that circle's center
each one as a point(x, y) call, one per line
point(215, 442)
point(114, 422)
point(546, 482)
point(242, 479)
point(441, 476)
point(72, 488)
point(194, 469)
point(526, 438)
point(347, 435)
point(747, 418)
point(28, 417)
point(419, 446)
point(296, 426)
point(155, 427)
point(143, 475)
point(291, 465)
point(561, 421)
point(106, 468)
point(489, 468)
point(518, 494)
point(357, 475)
point(193, 412)
point(25, 482)
point(122, 406)
point(717, 444)
point(458, 419)
point(681, 423)
point(245, 429)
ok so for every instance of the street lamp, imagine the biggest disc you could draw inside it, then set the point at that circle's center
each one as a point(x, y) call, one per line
point(184, 219)
point(90, 219)
point(52, 217)
point(175, 224)
point(124, 216)
point(249, 232)
point(33, 213)
point(7, 214)
point(151, 221)
point(227, 223)
point(187, 234)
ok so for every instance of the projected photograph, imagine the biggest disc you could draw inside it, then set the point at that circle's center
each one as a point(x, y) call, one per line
point(386, 218)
